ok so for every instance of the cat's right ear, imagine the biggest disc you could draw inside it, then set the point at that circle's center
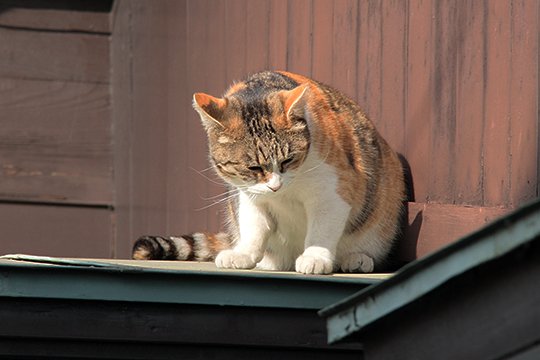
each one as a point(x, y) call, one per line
point(210, 109)
point(295, 101)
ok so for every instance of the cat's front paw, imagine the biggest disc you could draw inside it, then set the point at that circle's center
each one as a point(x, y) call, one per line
point(231, 259)
point(312, 264)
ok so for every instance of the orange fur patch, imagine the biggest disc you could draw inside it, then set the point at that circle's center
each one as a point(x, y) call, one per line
point(235, 87)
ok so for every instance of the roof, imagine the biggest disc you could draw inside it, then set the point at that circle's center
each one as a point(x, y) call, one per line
point(174, 282)
point(419, 278)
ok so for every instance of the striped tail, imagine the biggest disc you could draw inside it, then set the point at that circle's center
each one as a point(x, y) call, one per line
point(194, 247)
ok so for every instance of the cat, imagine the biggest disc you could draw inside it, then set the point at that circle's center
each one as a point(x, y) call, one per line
point(314, 186)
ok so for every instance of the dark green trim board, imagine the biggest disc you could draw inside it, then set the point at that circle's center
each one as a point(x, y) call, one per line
point(423, 276)
point(173, 282)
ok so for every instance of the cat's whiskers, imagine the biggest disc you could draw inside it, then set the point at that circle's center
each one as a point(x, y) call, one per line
point(208, 168)
point(206, 177)
point(319, 164)
point(226, 198)
point(299, 178)
point(226, 193)
point(229, 194)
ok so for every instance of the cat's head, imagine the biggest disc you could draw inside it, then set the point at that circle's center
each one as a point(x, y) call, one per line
point(256, 143)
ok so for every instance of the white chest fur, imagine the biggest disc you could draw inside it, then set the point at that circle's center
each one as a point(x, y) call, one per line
point(291, 212)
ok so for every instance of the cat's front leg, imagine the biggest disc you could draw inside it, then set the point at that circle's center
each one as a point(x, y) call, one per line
point(326, 222)
point(255, 226)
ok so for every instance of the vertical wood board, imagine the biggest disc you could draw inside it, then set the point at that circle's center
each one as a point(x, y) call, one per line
point(121, 47)
point(497, 94)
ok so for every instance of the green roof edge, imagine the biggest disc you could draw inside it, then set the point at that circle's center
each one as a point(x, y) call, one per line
point(420, 277)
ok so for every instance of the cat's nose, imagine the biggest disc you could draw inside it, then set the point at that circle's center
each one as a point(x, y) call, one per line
point(274, 183)
point(274, 188)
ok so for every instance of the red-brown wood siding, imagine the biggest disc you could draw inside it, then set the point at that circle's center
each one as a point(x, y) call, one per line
point(97, 111)
point(56, 176)
point(451, 85)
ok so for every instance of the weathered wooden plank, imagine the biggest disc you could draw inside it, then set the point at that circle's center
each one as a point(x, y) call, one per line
point(198, 65)
point(55, 230)
point(370, 59)
point(148, 79)
point(121, 57)
point(235, 30)
point(277, 35)
point(524, 101)
point(418, 94)
point(344, 61)
point(469, 104)
point(443, 102)
point(71, 15)
point(216, 84)
point(179, 111)
point(54, 56)
point(257, 36)
point(55, 142)
point(394, 66)
point(432, 226)
point(149, 118)
point(496, 151)
point(323, 41)
point(299, 39)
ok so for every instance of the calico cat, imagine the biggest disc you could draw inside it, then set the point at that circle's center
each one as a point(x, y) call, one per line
point(317, 189)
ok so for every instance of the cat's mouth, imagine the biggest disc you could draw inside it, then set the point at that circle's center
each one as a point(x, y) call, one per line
point(262, 189)
point(273, 185)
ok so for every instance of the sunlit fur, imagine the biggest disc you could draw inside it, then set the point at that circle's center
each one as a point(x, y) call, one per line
point(315, 188)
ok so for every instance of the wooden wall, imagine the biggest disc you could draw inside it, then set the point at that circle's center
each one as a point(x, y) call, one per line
point(96, 114)
point(56, 185)
point(453, 85)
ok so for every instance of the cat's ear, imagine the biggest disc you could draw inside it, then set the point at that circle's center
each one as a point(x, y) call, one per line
point(210, 109)
point(294, 101)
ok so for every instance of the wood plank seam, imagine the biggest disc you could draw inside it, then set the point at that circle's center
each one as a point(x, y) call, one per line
point(55, 31)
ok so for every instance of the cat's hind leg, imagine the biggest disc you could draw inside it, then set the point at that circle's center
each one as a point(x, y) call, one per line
point(363, 251)
point(357, 262)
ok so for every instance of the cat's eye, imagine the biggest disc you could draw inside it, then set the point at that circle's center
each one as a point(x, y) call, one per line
point(283, 165)
point(226, 169)
point(255, 168)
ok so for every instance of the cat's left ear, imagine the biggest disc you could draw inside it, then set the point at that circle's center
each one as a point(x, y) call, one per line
point(295, 101)
point(210, 109)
